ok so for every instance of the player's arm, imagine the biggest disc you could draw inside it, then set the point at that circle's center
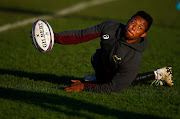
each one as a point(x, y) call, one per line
point(118, 83)
point(79, 36)
point(121, 80)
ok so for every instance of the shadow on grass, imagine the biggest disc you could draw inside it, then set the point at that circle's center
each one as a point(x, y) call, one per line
point(73, 107)
point(66, 80)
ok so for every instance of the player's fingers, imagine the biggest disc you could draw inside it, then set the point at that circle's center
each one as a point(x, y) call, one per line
point(75, 81)
point(68, 89)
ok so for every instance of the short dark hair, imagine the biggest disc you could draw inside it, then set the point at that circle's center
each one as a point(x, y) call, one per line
point(145, 16)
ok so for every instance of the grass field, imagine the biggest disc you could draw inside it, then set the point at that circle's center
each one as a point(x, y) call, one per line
point(32, 83)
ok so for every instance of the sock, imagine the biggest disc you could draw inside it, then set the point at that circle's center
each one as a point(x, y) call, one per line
point(157, 76)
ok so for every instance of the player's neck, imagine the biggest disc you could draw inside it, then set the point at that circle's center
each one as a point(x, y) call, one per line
point(131, 41)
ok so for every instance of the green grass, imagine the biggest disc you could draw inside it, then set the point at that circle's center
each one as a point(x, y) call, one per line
point(32, 83)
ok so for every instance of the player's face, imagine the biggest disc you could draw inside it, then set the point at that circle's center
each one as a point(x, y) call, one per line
point(136, 28)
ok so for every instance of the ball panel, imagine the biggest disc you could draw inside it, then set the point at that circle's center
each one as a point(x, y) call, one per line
point(51, 34)
point(33, 37)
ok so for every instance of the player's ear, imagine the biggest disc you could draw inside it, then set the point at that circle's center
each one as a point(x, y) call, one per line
point(144, 34)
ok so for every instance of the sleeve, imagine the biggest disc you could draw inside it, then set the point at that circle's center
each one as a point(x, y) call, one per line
point(121, 80)
point(80, 36)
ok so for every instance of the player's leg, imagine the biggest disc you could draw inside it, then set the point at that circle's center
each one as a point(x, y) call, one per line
point(101, 75)
point(143, 78)
point(94, 61)
point(162, 74)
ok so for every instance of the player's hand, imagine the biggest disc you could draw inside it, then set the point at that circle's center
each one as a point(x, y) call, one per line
point(77, 86)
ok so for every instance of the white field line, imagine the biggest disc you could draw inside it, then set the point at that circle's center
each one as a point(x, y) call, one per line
point(75, 8)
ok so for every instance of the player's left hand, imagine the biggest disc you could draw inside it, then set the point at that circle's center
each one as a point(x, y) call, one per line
point(77, 86)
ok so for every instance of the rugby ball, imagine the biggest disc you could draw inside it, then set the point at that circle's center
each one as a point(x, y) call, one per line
point(42, 36)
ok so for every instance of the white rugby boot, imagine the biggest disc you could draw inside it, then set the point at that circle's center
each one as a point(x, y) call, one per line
point(163, 74)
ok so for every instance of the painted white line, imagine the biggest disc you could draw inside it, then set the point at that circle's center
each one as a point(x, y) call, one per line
point(75, 8)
